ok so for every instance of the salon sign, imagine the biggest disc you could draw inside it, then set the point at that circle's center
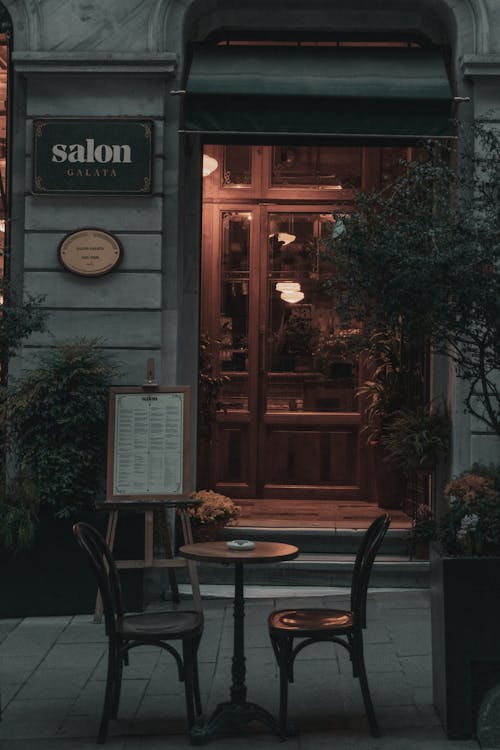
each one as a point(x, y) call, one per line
point(98, 156)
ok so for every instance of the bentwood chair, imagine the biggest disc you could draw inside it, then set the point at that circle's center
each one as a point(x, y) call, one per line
point(125, 632)
point(343, 627)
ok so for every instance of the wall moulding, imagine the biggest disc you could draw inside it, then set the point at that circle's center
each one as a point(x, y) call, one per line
point(466, 24)
point(160, 63)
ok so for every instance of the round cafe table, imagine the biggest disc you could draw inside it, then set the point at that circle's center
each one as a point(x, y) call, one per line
point(237, 711)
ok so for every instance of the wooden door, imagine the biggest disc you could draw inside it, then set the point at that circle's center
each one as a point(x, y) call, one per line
point(290, 424)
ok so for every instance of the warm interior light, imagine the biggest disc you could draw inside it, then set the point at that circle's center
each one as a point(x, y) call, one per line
point(292, 296)
point(288, 286)
point(284, 238)
point(209, 165)
point(2, 225)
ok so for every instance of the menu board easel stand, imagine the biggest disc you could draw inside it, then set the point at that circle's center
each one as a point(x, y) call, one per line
point(148, 467)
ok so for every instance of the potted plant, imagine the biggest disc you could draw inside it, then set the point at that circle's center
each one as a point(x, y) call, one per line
point(387, 391)
point(423, 531)
point(465, 608)
point(211, 515)
point(299, 339)
point(416, 438)
point(333, 346)
point(55, 421)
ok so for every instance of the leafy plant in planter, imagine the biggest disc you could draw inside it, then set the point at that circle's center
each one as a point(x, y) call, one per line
point(416, 438)
point(471, 525)
point(339, 345)
point(55, 419)
point(464, 568)
point(392, 383)
point(210, 386)
point(422, 532)
point(298, 334)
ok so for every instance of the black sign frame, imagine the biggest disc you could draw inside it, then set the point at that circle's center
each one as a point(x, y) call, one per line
point(93, 156)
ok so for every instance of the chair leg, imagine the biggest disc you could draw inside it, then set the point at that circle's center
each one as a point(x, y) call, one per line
point(109, 693)
point(359, 661)
point(119, 660)
point(196, 680)
point(282, 649)
point(188, 654)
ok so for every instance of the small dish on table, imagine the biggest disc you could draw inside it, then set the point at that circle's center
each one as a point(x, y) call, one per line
point(240, 544)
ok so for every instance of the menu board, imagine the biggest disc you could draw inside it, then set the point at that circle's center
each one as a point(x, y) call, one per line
point(147, 453)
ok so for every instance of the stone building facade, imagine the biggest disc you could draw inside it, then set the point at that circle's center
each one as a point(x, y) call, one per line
point(124, 58)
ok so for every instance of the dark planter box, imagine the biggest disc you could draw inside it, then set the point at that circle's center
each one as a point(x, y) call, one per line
point(55, 576)
point(465, 612)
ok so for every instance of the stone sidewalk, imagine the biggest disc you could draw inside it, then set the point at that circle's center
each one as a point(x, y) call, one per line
point(52, 673)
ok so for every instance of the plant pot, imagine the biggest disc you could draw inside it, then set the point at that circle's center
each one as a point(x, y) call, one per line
point(389, 482)
point(303, 363)
point(55, 577)
point(208, 532)
point(465, 612)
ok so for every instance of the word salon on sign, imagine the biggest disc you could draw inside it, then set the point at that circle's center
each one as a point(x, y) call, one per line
point(78, 153)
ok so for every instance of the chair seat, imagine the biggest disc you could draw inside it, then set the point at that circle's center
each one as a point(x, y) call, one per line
point(308, 622)
point(159, 625)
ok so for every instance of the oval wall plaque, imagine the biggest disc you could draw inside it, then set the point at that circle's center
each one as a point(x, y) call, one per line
point(90, 252)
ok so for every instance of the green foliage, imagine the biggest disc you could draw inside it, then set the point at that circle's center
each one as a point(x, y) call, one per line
point(299, 336)
point(393, 383)
point(471, 525)
point(55, 418)
point(210, 386)
point(18, 319)
point(417, 435)
point(424, 256)
point(18, 514)
point(424, 526)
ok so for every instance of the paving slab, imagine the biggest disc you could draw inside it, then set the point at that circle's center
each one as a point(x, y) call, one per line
point(52, 673)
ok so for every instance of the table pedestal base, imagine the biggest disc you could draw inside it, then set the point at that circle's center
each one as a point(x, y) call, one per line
point(234, 715)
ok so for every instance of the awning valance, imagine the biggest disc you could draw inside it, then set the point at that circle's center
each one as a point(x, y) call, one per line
point(356, 91)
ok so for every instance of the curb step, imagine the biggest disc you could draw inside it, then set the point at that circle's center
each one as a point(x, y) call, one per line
point(323, 540)
point(389, 571)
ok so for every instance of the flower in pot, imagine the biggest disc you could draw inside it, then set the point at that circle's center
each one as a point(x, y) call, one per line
point(211, 515)
point(471, 525)
point(416, 438)
point(465, 610)
point(422, 532)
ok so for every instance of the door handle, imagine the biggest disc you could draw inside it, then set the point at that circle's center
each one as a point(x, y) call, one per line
point(262, 351)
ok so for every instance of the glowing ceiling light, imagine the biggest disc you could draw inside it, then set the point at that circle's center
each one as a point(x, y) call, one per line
point(288, 286)
point(292, 296)
point(284, 238)
point(209, 165)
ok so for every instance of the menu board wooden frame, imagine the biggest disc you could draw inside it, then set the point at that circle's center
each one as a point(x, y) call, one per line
point(148, 443)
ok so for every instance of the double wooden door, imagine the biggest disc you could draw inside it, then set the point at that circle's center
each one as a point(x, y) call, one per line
point(290, 422)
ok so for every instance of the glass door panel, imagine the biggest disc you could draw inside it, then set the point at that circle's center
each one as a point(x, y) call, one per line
point(309, 367)
point(234, 306)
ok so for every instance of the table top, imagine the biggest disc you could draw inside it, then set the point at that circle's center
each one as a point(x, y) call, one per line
point(263, 552)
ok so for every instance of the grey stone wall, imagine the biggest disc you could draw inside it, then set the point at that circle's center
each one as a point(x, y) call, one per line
point(122, 57)
point(123, 308)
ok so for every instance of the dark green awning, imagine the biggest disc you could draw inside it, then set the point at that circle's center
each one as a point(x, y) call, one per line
point(282, 90)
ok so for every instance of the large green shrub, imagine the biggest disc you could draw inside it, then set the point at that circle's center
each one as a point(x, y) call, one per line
point(423, 256)
point(56, 423)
